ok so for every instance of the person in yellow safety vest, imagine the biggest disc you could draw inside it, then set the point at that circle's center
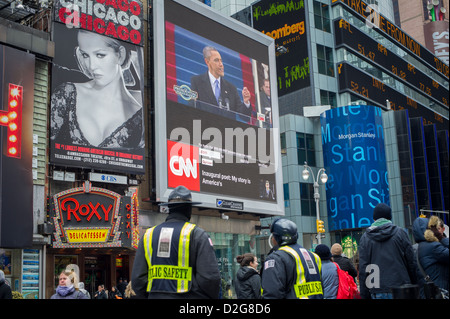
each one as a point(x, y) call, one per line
point(176, 259)
point(290, 271)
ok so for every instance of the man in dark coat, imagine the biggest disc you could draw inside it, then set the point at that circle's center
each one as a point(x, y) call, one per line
point(225, 95)
point(343, 262)
point(159, 250)
point(386, 257)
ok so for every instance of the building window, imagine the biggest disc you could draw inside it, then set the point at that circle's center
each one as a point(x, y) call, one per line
point(286, 194)
point(305, 149)
point(308, 205)
point(325, 60)
point(328, 98)
point(322, 16)
point(283, 143)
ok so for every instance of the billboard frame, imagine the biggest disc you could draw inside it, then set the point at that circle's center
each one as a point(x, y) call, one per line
point(209, 200)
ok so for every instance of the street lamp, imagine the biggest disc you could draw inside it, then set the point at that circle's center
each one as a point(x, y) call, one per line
point(323, 178)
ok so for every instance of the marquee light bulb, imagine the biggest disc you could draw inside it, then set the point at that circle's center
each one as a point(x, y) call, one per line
point(4, 119)
point(12, 150)
point(13, 115)
point(13, 126)
point(13, 103)
point(14, 91)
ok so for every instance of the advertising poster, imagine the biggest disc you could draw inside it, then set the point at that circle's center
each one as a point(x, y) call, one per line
point(355, 161)
point(218, 139)
point(97, 117)
point(30, 273)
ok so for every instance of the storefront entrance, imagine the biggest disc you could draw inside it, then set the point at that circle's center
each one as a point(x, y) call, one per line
point(94, 266)
point(95, 273)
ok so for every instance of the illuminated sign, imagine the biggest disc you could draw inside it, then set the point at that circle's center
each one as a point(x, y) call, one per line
point(16, 138)
point(284, 21)
point(372, 17)
point(373, 90)
point(349, 246)
point(12, 119)
point(355, 160)
point(118, 19)
point(183, 168)
point(367, 48)
point(94, 217)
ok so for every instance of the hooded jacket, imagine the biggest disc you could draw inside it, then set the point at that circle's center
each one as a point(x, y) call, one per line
point(248, 283)
point(386, 259)
point(433, 255)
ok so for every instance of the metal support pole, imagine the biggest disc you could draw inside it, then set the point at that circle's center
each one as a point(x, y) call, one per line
point(317, 199)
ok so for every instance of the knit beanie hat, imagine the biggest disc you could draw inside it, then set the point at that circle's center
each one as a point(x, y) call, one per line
point(323, 251)
point(382, 211)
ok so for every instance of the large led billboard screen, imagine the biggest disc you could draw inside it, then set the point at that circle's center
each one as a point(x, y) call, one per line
point(222, 143)
point(355, 159)
point(97, 115)
point(285, 22)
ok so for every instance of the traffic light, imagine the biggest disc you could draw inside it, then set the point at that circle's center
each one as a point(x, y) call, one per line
point(320, 226)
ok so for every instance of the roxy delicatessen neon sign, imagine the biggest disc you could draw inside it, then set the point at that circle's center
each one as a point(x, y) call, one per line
point(93, 217)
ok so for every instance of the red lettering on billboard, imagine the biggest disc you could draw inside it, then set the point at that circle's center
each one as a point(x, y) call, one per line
point(118, 19)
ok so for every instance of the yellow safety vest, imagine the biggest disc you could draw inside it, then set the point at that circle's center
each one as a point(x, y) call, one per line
point(304, 288)
point(181, 272)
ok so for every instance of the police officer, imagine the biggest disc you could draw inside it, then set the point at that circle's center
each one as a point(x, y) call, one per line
point(176, 259)
point(290, 271)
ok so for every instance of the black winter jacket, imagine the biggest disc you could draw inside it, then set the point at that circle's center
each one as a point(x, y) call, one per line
point(279, 275)
point(386, 259)
point(248, 283)
point(346, 265)
point(5, 290)
point(202, 259)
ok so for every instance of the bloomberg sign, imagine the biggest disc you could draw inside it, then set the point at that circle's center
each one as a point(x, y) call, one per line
point(355, 160)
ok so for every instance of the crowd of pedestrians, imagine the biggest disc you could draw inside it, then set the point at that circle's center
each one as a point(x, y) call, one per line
point(176, 259)
point(389, 265)
point(70, 288)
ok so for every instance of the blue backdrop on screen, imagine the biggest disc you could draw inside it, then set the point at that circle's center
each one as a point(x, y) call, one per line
point(355, 161)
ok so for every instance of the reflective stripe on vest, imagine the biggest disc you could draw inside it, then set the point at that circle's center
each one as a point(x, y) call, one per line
point(181, 272)
point(302, 288)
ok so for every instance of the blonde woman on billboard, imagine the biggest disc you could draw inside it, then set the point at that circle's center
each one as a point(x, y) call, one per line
point(101, 112)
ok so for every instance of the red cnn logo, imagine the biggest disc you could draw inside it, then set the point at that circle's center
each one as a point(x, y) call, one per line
point(183, 166)
point(12, 119)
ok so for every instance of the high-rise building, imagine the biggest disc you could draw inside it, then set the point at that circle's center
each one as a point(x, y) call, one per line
point(357, 56)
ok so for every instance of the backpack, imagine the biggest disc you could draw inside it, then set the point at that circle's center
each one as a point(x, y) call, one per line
point(347, 287)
